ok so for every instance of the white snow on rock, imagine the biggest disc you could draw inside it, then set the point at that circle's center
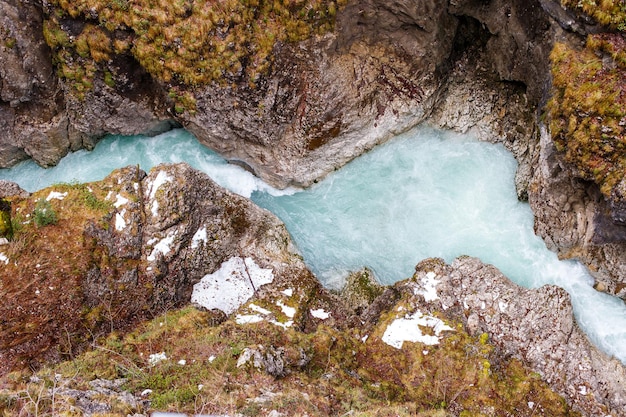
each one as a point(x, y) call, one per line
point(288, 292)
point(407, 329)
point(163, 246)
point(120, 201)
point(231, 286)
point(200, 236)
point(320, 314)
point(287, 311)
point(56, 195)
point(248, 318)
point(429, 285)
point(120, 222)
point(284, 325)
point(4, 258)
point(161, 178)
point(259, 309)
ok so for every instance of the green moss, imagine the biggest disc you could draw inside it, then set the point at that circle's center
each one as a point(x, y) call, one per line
point(6, 224)
point(44, 214)
point(191, 42)
point(611, 13)
point(10, 42)
point(588, 107)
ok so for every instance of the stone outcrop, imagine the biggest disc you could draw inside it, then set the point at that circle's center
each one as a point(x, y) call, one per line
point(574, 220)
point(535, 325)
point(131, 245)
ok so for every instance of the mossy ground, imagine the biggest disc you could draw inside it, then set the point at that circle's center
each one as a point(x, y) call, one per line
point(342, 374)
point(43, 310)
point(182, 43)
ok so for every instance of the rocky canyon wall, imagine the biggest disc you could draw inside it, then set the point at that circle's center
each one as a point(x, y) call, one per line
point(473, 66)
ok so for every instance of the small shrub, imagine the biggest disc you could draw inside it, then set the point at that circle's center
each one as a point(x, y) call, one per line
point(44, 214)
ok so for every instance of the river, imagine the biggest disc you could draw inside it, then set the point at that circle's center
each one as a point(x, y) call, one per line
point(426, 193)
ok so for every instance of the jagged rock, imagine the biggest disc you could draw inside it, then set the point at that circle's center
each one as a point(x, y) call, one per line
point(12, 189)
point(571, 216)
point(31, 112)
point(147, 239)
point(103, 397)
point(535, 325)
point(271, 360)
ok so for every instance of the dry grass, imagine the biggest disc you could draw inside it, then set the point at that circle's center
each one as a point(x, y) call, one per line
point(342, 374)
point(43, 309)
point(611, 13)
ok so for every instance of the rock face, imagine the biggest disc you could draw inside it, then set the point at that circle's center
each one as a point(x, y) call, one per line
point(535, 325)
point(133, 244)
point(575, 220)
point(479, 67)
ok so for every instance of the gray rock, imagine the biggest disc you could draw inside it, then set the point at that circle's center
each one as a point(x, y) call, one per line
point(12, 189)
point(534, 325)
point(575, 221)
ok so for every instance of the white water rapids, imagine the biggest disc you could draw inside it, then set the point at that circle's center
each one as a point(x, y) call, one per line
point(424, 194)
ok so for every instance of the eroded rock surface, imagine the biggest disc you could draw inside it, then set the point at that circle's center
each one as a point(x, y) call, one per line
point(479, 67)
point(535, 325)
point(575, 221)
point(130, 245)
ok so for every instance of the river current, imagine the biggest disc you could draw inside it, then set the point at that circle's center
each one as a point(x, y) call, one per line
point(426, 193)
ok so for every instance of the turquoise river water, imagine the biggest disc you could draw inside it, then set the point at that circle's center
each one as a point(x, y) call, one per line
point(426, 193)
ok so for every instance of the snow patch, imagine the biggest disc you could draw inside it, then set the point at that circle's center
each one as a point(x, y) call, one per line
point(258, 309)
point(284, 325)
point(200, 236)
point(56, 195)
point(287, 311)
point(161, 178)
point(288, 292)
point(120, 201)
point(429, 287)
point(248, 318)
point(4, 258)
point(231, 286)
point(320, 314)
point(407, 329)
point(120, 222)
point(163, 246)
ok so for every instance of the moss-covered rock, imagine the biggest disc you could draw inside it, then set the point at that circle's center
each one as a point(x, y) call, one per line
point(588, 108)
point(6, 228)
point(188, 43)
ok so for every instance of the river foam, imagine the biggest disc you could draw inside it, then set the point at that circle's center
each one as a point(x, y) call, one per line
point(426, 193)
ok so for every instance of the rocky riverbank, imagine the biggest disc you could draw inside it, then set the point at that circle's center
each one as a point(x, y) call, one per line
point(264, 335)
point(345, 77)
point(365, 72)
